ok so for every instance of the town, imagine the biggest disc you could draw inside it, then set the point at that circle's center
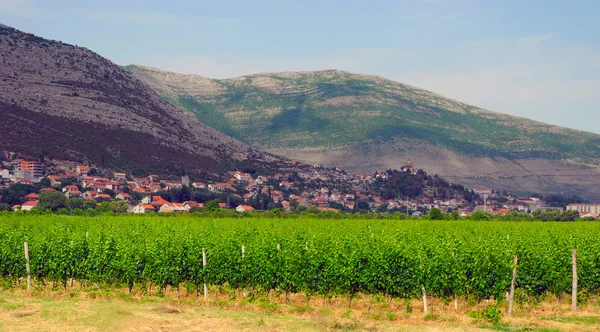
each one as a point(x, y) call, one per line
point(291, 189)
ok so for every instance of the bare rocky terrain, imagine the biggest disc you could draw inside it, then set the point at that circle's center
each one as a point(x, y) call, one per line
point(70, 103)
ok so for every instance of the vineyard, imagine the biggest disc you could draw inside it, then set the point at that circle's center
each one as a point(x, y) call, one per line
point(392, 258)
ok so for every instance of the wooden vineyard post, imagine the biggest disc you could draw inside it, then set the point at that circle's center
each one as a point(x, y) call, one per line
point(511, 295)
point(204, 267)
point(574, 288)
point(27, 267)
point(244, 255)
point(424, 300)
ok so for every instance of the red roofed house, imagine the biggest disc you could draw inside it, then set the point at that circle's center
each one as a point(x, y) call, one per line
point(32, 197)
point(220, 187)
point(173, 207)
point(70, 188)
point(29, 205)
point(89, 194)
point(244, 208)
point(143, 208)
point(71, 194)
point(123, 197)
point(103, 197)
point(82, 170)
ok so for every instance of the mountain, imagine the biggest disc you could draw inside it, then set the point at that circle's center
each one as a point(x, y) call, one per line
point(67, 102)
point(366, 123)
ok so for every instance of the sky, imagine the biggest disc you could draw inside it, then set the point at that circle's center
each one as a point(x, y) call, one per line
point(530, 58)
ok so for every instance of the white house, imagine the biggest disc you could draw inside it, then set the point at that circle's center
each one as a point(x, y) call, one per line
point(244, 208)
point(143, 208)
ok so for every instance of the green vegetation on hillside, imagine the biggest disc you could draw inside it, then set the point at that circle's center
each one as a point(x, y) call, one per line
point(334, 108)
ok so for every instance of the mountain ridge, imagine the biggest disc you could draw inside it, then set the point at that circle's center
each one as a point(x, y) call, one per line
point(70, 103)
point(366, 122)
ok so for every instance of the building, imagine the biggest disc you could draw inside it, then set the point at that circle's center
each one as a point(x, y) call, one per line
point(34, 167)
point(583, 208)
point(29, 205)
point(123, 197)
point(143, 208)
point(220, 187)
point(173, 207)
point(244, 208)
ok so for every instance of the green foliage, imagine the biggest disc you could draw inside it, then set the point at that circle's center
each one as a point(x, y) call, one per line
point(312, 115)
point(5, 207)
point(480, 215)
point(491, 313)
point(436, 214)
point(51, 200)
point(212, 206)
point(312, 256)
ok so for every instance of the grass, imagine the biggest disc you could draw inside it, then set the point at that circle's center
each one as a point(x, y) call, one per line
point(75, 310)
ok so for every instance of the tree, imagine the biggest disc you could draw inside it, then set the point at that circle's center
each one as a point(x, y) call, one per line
point(118, 207)
point(5, 207)
point(76, 203)
point(52, 200)
point(212, 206)
point(436, 214)
point(480, 215)
point(454, 214)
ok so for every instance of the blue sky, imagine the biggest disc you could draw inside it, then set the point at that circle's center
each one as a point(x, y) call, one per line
point(537, 59)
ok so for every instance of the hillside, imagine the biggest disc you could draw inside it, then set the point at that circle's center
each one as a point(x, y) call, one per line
point(66, 102)
point(365, 123)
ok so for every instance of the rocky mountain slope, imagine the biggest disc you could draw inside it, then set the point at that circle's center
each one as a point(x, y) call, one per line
point(69, 103)
point(366, 123)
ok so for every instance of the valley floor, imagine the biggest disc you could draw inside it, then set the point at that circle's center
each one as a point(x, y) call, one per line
point(74, 310)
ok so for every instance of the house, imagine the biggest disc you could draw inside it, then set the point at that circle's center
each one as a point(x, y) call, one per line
point(199, 185)
point(89, 194)
point(70, 188)
point(286, 184)
point(172, 207)
point(120, 176)
point(71, 194)
point(223, 205)
point(589, 215)
point(32, 197)
point(220, 187)
point(102, 197)
point(244, 208)
point(123, 197)
point(408, 167)
point(81, 170)
point(242, 177)
point(191, 204)
point(143, 208)
point(29, 205)
point(286, 205)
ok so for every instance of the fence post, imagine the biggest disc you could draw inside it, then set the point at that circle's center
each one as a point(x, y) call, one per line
point(424, 300)
point(511, 296)
point(26, 245)
point(203, 267)
point(243, 256)
point(574, 288)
